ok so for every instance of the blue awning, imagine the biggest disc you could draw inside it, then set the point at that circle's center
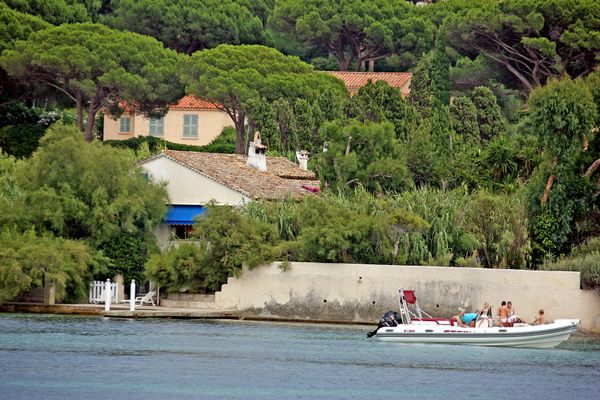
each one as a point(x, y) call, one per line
point(183, 215)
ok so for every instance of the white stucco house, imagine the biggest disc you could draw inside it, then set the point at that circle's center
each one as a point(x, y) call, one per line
point(194, 179)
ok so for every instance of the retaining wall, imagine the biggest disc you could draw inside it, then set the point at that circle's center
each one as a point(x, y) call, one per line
point(362, 293)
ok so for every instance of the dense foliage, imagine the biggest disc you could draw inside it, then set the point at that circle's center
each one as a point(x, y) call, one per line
point(534, 40)
point(356, 32)
point(239, 77)
point(81, 197)
point(225, 241)
point(585, 259)
point(29, 260)
point(191, 25)
point(97, 67)
point(493, 160)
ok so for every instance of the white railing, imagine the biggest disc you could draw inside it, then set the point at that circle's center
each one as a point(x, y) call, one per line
point(98, 294)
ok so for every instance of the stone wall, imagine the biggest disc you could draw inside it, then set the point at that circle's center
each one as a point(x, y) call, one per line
point(362, 293)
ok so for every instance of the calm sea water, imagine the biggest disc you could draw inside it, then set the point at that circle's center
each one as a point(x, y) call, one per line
point(58, 357)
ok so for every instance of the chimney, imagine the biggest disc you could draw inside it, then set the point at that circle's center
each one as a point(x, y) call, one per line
point(302, 157)
point(257, 157)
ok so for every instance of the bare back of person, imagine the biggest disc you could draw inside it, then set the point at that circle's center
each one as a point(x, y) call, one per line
point(503, 312)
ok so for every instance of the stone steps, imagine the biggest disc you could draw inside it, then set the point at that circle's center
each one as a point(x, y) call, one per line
point(191, 297)
point(185, 300)
point(204, 305)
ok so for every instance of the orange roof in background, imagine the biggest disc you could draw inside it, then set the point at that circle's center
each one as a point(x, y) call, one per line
point(187, 103)
point(356, 80)
point(191, 102)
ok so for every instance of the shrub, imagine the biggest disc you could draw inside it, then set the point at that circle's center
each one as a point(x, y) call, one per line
point(587, 264)
point(29, 260)
point(224, 143)
point(178, 269)
point(21, 140)
point(224, 241)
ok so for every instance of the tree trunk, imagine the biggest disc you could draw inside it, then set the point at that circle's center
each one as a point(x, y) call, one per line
point(89, 126)
point(79, 107)
point(240, 142)
point(360, 65)
point(94, 107)
point(519, 76)
point(592, 168)
point(348, 146)
point(344, 64)
point(546, 194)
point(395, 250)
point(371, 65)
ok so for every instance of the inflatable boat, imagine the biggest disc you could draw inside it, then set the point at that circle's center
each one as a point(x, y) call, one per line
point(412, 325)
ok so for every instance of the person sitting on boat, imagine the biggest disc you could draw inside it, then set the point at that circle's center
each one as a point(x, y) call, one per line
point(503, 312)
point(513, 318)
point(484, 318)
point(539, 320)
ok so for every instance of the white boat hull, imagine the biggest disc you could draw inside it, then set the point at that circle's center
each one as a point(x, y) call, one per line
point(537, 336)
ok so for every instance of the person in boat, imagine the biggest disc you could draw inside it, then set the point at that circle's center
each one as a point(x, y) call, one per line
point(465, 319)
point(539, 320)
point(513, 318)
point(484, 318)
point(503, 313)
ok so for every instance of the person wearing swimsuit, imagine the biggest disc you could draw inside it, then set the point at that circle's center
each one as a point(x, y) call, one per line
point(503, 312)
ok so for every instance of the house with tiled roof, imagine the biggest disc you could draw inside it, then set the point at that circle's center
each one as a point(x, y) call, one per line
point(356, 80)
point(193, 179)
point(190, 121)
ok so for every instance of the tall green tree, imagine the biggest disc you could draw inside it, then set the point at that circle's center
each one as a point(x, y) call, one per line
point(15, 26)
point(367, 154)
point(379, 102)
point(464, 119)
point(534, 39)
point(563, 114)
point(490, 120)
point(430, 85)
point(28, 260)
point(440, 72)
point(191, 25)
point(58, 11)
point(236, 77)
point(77, 190)
point(97, 67)
point(355, 32)
point(503, 240)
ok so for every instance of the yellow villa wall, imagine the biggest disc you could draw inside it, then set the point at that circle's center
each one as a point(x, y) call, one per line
point(210, 125)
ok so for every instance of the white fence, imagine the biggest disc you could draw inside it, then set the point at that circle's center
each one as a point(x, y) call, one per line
point(97, 293)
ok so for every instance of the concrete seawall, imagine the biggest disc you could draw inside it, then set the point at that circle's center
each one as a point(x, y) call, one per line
point(362, 293)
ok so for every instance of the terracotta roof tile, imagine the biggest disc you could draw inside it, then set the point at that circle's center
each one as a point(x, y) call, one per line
point(191, 102)
point(282, 179)
point(187, 103)
point(356, 80)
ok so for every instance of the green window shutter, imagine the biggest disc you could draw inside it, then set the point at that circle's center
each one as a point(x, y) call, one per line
point(125, 124)
point(190, 125)
point(157, 127)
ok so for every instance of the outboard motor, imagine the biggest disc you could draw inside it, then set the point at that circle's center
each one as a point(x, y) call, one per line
point(390, 318)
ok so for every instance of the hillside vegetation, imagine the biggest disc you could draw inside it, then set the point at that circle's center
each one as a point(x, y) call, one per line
point(492, 161)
